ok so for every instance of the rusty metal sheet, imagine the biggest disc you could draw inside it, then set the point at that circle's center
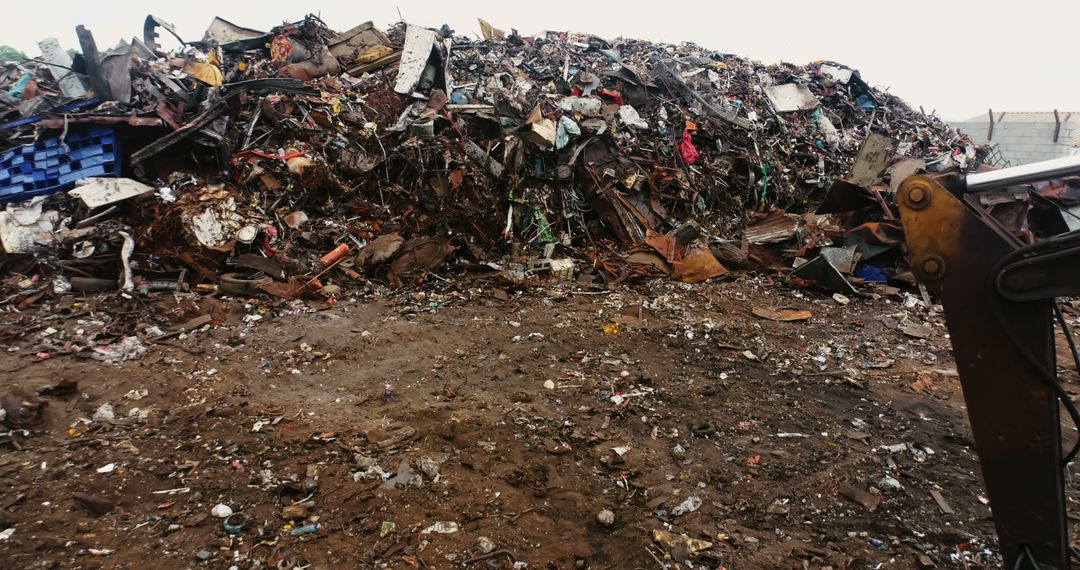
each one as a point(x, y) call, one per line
point(699, 265)
point(777, 226)
point(889, 234)
point(225, 31)
point(820, 272)
point(358, 38)
point(843, 196)
point(873, 157)
point(58, 122)
point(666, 245)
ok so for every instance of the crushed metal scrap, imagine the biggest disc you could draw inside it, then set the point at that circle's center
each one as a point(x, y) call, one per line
point(299, 162)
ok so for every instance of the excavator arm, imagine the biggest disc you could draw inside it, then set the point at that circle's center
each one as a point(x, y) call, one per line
point(999, 297)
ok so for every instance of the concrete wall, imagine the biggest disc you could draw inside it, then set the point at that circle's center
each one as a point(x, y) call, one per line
point(1024, 142)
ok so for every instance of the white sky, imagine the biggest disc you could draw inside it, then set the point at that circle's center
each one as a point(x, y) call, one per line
point(954, 56)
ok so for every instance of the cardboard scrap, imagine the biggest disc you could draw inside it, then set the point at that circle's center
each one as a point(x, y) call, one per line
point(98, 191)
point(782, 315)
point(791, 97)
point(490, 32)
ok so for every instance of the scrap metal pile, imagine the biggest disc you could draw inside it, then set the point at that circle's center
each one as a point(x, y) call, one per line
point(301, 161)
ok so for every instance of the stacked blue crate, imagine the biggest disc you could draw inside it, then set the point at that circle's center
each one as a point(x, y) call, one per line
point(47, 167)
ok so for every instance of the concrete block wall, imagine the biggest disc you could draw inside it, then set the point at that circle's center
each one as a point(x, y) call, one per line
point(1022, 143)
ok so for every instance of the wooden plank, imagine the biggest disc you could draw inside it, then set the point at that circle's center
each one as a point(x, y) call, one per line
point(940, 500)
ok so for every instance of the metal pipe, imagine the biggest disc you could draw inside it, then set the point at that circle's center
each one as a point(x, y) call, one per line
point(1024, 174)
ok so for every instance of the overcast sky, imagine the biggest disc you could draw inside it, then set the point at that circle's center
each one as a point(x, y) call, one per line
point(956, 57)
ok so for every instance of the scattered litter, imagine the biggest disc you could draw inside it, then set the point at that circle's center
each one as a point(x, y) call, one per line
point(441, 527)
point(889, 484)
point(137, 394)
point(104, 413)
point(130, 348)
point(107, 468)
point(20, 410)
point(924, 383)
point(670, 539)
point(306, 529)
point(690, 505)
point(868, 500)
point(916, 331)
point(778, 507)
point(236, 523)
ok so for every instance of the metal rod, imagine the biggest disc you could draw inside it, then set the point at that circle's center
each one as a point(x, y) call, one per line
point(1024, 174)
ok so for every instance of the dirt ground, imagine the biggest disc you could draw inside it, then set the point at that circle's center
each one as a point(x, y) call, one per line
point(474, 427)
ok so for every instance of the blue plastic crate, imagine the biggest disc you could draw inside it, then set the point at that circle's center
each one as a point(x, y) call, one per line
point(9, 191)
point(18, 191)
point(94, 161)
point(51, 166)
point(99, 170)
point(105, 149)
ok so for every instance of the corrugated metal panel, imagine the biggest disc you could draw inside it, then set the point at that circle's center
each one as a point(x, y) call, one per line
point(777, 226)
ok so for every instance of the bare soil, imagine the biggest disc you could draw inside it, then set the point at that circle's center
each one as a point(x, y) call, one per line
point(518, 416)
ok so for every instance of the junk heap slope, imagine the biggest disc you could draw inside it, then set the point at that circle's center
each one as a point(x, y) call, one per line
point(286, 161)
